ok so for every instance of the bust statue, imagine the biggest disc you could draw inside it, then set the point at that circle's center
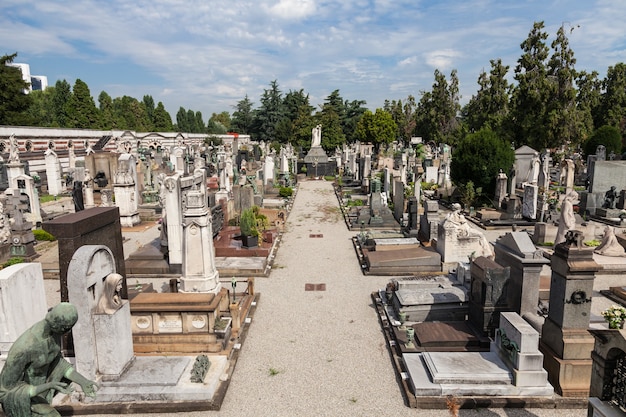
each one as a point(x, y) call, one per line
point(111, 300)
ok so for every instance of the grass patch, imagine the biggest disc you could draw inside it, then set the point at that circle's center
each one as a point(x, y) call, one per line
point(47, 198)
point(273, 371)
point(42, 235)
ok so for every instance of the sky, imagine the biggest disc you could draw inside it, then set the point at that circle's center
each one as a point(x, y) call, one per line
point(207, 55)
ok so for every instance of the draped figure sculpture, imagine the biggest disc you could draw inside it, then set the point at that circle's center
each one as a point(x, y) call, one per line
point(35, 370)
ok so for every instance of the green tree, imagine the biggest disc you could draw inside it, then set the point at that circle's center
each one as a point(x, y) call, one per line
point(81, 109)
point(608, 136)
point(528, 122)
point(563, 116)
point(182, 124)
point(353, 111)
point(297, 112)
point(40, 110)
point(13, 101)
point(270, 113)
point(376, 128)
point(478, 158)
point(436, 113)
point(199, 123)
point(148, 105)
point(107, 117)
point(404, 117)
point(588, 97)
point(162, 119)
point(613, 102)
point(490, 106)
point(243, 117)
point(332, 133)
point(60, 98)
point(130, 114)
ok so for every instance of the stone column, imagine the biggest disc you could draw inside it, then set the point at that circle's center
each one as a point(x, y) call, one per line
point(565, 341)
point(125, 189)
point(199, 271)
point(174, 222)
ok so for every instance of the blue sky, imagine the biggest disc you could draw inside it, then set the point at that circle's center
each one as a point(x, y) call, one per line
point(207, 55)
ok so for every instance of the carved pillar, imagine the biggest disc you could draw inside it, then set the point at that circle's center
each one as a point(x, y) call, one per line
point(565, 341)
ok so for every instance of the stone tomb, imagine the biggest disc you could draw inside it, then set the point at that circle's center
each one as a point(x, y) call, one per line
point(180, 323)
point(435, 298)
point(495, 373)
point(398, 261)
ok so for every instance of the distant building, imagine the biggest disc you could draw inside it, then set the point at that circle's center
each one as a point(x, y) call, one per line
point(36, 82)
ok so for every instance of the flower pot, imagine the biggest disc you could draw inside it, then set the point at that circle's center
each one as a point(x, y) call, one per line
point(249, 241)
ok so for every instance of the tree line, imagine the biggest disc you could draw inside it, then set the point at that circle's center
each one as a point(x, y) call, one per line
point(550, 104)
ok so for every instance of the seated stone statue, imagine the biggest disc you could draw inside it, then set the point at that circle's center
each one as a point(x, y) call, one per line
point(35, 370)
point(610, 246)
point(464, 230)
point(610, 198)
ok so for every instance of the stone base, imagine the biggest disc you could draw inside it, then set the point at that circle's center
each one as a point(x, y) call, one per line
point(118, 339)
point(568, 344)
point(130, 220)
point(570, 377)
point(599, 408)
point(464, 374)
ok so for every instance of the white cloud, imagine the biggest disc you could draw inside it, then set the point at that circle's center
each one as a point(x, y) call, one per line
point(441, 59)
point(292, 9)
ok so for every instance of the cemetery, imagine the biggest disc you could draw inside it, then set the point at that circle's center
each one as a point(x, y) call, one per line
point(503, 306)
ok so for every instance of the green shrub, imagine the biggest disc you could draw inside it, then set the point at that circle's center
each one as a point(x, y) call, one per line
point(247, 223)
point(42, 235)
point(285, 192)
point(12, 261)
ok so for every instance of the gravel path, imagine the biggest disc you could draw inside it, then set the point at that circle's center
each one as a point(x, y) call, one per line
point(321, 353)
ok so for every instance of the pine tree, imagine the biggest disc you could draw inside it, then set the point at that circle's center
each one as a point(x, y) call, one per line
point(81, 109)
point(13, 101)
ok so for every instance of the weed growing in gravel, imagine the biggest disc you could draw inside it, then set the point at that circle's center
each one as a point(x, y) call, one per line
point(353, 399)
point(273, 371)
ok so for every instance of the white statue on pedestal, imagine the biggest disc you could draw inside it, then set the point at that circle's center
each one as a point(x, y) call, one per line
point(316, 134)
point(14, 154)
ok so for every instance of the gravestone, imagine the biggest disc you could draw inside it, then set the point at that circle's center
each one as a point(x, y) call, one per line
point(529, 204)
point(517, 251)
point(103, 341)
point(22, 301)
point(173, 220)
point(517, 344)
point(96, 226)
point(53, 172)
point(126, 190)
point(565, 341)
point(489, 294)
point(429, 222)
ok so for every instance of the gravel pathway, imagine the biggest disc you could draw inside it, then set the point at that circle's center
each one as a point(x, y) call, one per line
point(321, 353)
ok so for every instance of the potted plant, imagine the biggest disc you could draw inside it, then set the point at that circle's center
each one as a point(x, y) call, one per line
point(615, 316)
point(248, 227)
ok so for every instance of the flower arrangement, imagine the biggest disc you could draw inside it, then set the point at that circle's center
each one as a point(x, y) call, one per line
point(615, 315)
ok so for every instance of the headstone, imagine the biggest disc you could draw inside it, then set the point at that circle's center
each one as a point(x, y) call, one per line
point(98, 226)
point(517, 251)
point(517, 343)
point(53, 172)
point(489, 294)
point(171, 197)
point(126, 191)
point(501, 188)
point(22, 301)
point(457, 241)
point(529, 204)
point(103, 340)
